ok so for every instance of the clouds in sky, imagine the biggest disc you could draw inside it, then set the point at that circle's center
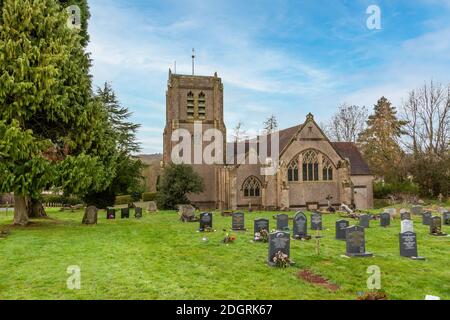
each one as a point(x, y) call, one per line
point(278, 57)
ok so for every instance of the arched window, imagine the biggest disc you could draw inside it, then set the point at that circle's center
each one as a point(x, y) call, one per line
point(201, 106)
point(251, 187)
point(190, 106)
point(310, 166)
point(293, 170)
point(327, 169)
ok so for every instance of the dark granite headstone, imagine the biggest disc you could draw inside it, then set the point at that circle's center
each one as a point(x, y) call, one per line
point(205, 220)
point(125, 213)
point(138, 212)
point(446, 218)
point(385, 219)
point(282, 222)
point(364, 220)
point(417, 210)
point(408, 245)
point(278, 241)
point(341, 228)
point(300, 225)
point(436, 226)
point(238, 222)
point(316, 221)
point(405, 216)
point(426, 218)
point(261, 224)
point(355, 242)
point(110, 213)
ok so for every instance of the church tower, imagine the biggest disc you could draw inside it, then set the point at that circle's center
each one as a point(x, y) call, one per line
point(192, 99)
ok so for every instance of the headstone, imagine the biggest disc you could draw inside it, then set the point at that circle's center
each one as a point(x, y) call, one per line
point(405, 216)
point(436, 226)
point(278, 241)
point(385, 219)
point(426, 218)
point(446, 218)
point(341, 228)
point(110, 213)
point(186, 212)
point(355, 242)
point(417, 210)
point(90, 215)
point(282, 222)
point(125, 213)
point(316, 221)
point(238, 222)
point(205, 220)
point(408, 245)
point(261, 224)
point(407, 226)
point(138, 212)
point(364, 220)
point(300, 225)
point(392, 212)
point(152, 207)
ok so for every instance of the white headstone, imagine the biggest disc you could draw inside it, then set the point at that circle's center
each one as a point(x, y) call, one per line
point(403, 210)
point(392, 211)
point(407, 225)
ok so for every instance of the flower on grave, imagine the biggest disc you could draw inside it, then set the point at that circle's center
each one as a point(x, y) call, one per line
point(262, 236)
point(281, 260)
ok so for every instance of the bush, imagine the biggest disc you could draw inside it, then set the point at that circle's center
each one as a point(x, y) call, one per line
point(383, 190)
point(101, 200)
point(123, 200)
point(60, 199)
point(149, 196)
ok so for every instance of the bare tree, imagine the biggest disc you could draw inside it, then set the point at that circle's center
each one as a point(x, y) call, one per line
point(271, 124)
point(347, 123)
point(239, 133)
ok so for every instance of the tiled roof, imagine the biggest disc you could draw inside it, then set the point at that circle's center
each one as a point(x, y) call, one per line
point(350, 151)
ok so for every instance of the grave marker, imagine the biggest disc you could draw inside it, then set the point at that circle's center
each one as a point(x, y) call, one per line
point(446, 218)
point(282, 222)
point(205, 221)
point(316, 221)
point(436, 226)
point(417, 210)
point(110, 213)
point(355, 242)
point(426, 218)
point(364, 220)
point(385, 219)
point(125, 213)
point(405, 216)
point(138, 212)
point(278, 241)
point(260, 224)
point(341, 229)
point(407, 226)
point(237, 221)
point(300, 226)
point(408, 245)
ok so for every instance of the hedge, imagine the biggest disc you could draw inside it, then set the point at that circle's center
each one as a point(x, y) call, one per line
point(149, 196)
point(123, 200)
point(61, 199)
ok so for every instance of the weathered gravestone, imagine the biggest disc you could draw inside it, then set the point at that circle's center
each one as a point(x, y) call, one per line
point(206, 221)
point(278, 241)
point(341, 229)
point(110, 213)
point(125, 213)
point(356, 243)
point(260, 224)
point(186, 212)
point(90, 215)
point(436, 226)
point(407, 226)
point(300, 226)
point(282, 222)
point(405, 215)
point(237, 221)
point(152, 207)
point(138, 212)
point(385, 219)
point(446, 218)
point(364, 221)
point(426, 218)
point(408, 245)
point(392, 212)
point(316, 221)
point(417, 210)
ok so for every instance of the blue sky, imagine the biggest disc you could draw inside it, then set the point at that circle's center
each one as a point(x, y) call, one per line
point(278, 57)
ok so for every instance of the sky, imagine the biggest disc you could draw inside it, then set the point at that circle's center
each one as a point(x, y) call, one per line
point(280, 57)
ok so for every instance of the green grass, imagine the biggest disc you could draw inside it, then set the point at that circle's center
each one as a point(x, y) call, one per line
point(158, 257)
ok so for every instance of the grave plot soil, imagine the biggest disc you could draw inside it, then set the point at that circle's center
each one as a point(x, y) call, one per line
point(309, 276)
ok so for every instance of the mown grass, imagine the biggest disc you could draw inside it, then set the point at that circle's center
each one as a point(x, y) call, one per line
point(159, 257)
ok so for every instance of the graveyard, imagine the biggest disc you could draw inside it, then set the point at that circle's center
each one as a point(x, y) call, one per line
point(160, 257)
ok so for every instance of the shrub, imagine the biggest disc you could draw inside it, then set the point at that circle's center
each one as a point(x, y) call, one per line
point(382, 190)
point(123, 200)
point(149, 196)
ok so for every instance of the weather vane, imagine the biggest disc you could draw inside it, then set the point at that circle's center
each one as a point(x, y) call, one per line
point(193, 60)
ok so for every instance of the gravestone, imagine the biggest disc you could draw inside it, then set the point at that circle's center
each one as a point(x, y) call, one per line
point(260, 224)
point(407, 226)
point(205, 220)
point(392, 212)
point(110, 213)
point(152, 207)
point(405, 216)
point(364, 220)
point(238, 222)
point(186, 212)
point(385, 219)
point(300, 226)
point(426, 218)
point(138, 212)
point(282, 222)
point(436, 226)
point(417, 210)
point(446, 218)
point(355, 242)
point(125, 213)
point(341, 228)
point(408, 245)
point(90, 215)
point(316, 221)
point(278, 241)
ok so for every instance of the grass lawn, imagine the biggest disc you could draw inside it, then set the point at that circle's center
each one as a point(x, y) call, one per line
point(159, 257)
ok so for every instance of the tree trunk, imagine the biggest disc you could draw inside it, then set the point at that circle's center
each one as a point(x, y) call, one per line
point(36, 209)
point(20, 210)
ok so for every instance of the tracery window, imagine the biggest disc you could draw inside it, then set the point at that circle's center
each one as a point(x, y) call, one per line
point(190, 105)
point(293, 170)
point(310, 166)
point(251, 187)
point(327, 170)
point(201, 106)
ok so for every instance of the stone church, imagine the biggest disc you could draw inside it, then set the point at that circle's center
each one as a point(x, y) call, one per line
point(312, 172)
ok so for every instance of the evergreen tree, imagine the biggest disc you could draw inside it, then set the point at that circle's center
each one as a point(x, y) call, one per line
point(271, 124)
point(379, 142)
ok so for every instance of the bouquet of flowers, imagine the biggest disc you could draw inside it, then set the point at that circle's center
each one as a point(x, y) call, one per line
point(229, 238)
point(262, 236)
point(281, 260)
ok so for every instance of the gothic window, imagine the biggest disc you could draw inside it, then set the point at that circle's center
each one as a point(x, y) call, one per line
point(327, 170)
point(190, 105)
point(310, 166)
point(293, 170)
point(201, 106)
point(251, 187)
